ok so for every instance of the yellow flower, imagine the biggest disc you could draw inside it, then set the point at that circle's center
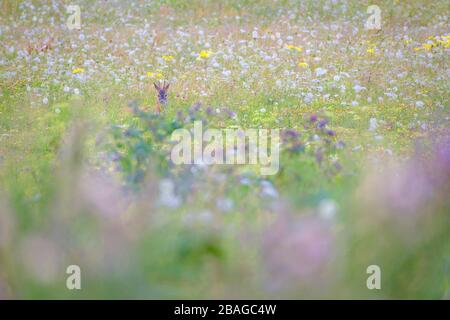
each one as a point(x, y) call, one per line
point(444, 41)
point(168, 58)
point(370, 50)
point(427, 46)
point(302, 64)
point(291, 47)
point(204, 54)
point(77, 70)
point(156, 75)
point(417, 49)
point(407, 41)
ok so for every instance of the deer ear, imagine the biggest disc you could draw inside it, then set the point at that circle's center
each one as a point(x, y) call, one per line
point(166, 86)
point(156, 86)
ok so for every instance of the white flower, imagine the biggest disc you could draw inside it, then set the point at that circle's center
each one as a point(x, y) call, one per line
point(308, 97)
point(320, 72)
point(224, 204)
point(45, 100)
point(226, 73)
point(419, 104)
point(327, 209)
point(358, 88)
point(167, 195)
point(268, 189)
point(373, 124)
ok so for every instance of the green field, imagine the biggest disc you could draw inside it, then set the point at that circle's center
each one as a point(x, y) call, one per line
point(86, 176)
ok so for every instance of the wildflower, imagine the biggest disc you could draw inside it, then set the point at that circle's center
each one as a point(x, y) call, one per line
point(427, 46)
point(290, 134)
point(156, 75)
point(327, 209)
point(292, 239)
point(224, 204)
point(41, 257)
point(77, 70)
point(320, 72)
point(358, 88)
point(371, 50)
point(204, 54)
point(373, 124)
point(322, 123)
point(292, 47)
point(268, 190)
point(303, 64)
point(167, 195)
point(340, 144)
point(226, 73)
point(313, 118)
point(420, 104)
point(168, 58)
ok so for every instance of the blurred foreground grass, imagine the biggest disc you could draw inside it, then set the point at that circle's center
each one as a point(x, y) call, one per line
point(85, 181)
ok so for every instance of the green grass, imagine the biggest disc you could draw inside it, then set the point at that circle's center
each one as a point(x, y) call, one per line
point(64, 200)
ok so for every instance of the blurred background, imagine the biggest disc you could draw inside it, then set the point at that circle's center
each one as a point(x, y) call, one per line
point(86, 177)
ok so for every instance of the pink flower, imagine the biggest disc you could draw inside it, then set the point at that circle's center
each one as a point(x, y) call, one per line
point(297, 251)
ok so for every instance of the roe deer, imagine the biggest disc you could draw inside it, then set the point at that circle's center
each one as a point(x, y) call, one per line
point(162, 89)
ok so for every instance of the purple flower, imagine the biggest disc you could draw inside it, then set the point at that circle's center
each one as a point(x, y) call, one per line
point(337, 165)
point(322, 123)
point(194, 109)
point(290, 133)
point(313, 118)
point(340, 144)
point(298, 250)
point(319, 156)
point(230, 113)
point(209, 111)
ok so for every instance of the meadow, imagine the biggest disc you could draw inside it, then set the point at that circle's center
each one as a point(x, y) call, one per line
point(86, 177)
